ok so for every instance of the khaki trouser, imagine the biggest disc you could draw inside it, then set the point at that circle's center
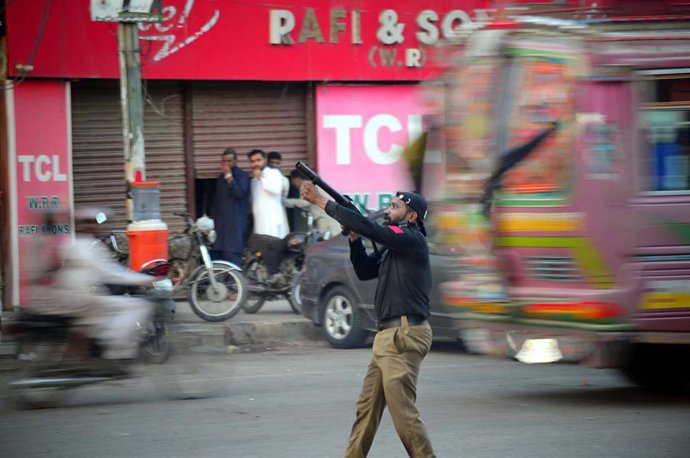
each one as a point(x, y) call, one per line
point(392, 380)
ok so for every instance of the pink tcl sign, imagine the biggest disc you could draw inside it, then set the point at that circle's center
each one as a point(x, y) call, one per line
point(362, 133)
point(40, 179)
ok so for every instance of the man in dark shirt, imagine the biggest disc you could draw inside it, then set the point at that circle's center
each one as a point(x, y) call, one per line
point(401, 305)
point(229, 209)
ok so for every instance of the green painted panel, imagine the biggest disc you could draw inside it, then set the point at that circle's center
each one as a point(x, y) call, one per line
point(582, 250)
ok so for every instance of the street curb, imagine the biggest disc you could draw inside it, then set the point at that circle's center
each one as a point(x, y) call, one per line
point(270, 331)
point(243, 333)
point(226, 333)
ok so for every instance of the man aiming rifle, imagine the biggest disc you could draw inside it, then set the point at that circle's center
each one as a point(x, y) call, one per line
point(401, 307)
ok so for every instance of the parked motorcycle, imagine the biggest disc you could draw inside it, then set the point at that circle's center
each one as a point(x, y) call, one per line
point(264, 287)
point(216, 290)
point(51, 357)
point(118, 246)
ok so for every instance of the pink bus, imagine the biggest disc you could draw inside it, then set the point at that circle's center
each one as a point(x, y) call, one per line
point(585, 254)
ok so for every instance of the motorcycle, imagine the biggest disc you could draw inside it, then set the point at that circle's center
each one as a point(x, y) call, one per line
point(117, 244)
point(216, 290)
point(264, 287)
point(51, 357)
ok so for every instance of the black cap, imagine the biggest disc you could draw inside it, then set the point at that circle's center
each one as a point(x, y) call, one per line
point(416, 202)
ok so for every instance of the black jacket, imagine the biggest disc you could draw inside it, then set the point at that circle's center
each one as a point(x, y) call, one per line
point(402, 267)
point(229, 210)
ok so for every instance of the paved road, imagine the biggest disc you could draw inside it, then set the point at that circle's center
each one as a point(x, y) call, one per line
point(297, 401)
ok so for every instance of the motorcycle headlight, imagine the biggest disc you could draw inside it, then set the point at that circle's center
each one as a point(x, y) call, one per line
point(212, 236)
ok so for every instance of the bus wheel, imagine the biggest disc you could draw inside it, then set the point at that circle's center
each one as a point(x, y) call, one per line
point(658, 367)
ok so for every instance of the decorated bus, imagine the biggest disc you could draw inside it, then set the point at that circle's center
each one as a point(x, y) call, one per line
point(567, 193)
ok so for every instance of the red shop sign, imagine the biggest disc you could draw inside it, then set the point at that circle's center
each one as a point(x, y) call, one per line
point(357, 40)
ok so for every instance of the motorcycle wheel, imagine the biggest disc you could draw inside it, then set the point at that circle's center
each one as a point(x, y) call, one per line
point(294, 297)
point(257, 276)
point(210, 308)
point(36, 356)
point(157, 347)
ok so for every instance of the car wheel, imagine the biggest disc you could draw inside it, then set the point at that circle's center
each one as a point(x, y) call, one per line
point(341, 319)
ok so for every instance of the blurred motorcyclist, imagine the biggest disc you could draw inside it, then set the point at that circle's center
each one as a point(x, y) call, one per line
point(76, 287)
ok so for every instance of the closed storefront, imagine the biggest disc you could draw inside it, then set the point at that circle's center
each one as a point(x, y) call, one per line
point(269, 116)
point(98, 164)
point(244, 116)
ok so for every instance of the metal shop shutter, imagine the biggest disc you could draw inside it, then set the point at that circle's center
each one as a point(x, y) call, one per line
point(244, 116)
point(97, 148)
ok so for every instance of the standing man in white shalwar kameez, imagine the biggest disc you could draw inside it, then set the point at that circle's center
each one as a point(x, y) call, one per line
point(267, 187)
point(270, 219)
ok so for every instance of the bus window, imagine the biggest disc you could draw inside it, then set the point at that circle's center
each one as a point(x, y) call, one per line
point(665, 133)
point(543, 91)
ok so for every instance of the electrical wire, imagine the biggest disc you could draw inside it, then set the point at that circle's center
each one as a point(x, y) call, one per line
point(43, 22)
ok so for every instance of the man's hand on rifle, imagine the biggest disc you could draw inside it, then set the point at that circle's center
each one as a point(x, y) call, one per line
point(352, 235)
point(312, 195)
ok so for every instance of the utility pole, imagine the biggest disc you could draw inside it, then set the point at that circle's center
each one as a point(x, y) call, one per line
point(132, 107)
point(127, 14)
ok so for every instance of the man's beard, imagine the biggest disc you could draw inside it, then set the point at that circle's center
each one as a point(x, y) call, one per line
point(390, 222)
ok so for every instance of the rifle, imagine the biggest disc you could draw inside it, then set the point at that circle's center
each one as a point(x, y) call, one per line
point(345, 201)
point(509, 160)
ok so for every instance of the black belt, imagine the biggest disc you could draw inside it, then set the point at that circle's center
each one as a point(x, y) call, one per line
point(412, 320)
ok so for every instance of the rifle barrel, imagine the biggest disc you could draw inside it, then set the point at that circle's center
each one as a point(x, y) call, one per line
point(306, 171)
point(312, 176)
